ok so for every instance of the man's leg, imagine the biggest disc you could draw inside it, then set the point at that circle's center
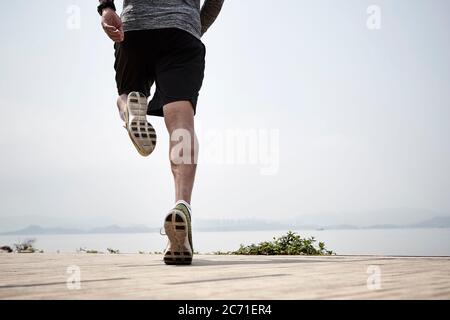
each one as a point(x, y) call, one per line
point(121, 105)
point(183, 151)
point(179, 118)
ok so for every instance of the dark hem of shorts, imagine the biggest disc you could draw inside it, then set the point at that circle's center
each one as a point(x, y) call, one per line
point(159, 111)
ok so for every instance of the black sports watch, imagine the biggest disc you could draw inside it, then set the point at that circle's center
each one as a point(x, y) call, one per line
point(105, 4)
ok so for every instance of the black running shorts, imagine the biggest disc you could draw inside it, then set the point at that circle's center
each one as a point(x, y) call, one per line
point(172, 59)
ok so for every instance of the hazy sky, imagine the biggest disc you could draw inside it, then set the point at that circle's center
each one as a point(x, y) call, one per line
point(362, 115)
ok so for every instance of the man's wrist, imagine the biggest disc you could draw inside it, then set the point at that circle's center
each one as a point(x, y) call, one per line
point(105, 4)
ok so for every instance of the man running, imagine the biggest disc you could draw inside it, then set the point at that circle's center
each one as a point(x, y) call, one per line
point(158, 42)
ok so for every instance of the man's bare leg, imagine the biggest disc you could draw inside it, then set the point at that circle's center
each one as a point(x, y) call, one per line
point(179, 119)
point(121, 105)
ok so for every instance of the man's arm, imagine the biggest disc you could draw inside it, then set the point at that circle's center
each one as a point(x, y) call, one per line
point(210, 11)
point(104, 4)
point(111, 22)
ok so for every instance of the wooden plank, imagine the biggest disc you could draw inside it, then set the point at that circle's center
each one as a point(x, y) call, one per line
point(134, 276)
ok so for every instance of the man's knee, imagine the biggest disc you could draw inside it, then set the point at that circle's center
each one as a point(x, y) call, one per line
point(178, 112)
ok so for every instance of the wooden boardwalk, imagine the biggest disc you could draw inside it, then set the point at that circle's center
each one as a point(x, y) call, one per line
point(134, 276)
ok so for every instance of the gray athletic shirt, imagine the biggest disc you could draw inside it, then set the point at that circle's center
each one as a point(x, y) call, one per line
point(158, 14)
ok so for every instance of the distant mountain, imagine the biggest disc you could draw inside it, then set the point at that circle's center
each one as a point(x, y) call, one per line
point(238, 225)
point(341, 227)
point(437, 222)
point(37, 230)
point(231, 225)
point(118, 229)
point(17, 222)
point(384, 226)
point(362, 219)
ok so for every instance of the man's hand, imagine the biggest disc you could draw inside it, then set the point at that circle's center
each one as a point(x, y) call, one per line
point(112, 25)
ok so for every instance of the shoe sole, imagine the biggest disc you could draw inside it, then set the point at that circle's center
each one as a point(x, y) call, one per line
point(177, 229)
point(141, 133)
